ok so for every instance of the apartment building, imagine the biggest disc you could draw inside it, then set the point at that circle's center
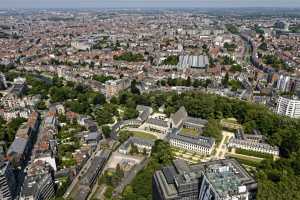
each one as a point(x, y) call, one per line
point(39, 182)
point(288, 106)
point(113, 87)
point(7, 181)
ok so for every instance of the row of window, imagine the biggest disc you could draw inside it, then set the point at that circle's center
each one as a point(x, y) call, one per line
point(189, 146)
point(253, 148)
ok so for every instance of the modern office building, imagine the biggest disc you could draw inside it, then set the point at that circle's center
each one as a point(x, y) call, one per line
point(39, 182)
point(282, 83)
point(3, 83)
point(7, 181)
point(215, 180)
point(288, 106)
point(287, 83)
point(281, 25)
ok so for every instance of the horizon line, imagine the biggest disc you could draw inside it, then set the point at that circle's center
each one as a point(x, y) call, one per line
point(162, 7)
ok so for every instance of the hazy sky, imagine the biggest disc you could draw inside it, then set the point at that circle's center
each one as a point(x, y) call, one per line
point(145, 3)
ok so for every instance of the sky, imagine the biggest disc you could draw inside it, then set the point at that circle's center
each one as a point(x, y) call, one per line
point(146, 3)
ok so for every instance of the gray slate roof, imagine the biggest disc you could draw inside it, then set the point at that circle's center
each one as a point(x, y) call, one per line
point(197, 121)
point(93, 136)
point(18, 146)
point(157, 122)
point(200, 140)
point(181, 114)
point(136, 140)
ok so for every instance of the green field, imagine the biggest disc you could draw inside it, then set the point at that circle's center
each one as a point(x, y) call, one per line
point(244, 157)
point(189, 132)
point(253, 153)
point(245, 161)
point(226, 139)
point(144, 135)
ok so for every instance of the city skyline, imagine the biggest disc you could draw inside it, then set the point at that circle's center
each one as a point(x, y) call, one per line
point(145, 3)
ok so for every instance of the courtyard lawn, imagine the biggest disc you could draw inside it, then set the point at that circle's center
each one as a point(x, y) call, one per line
point(244, 157)
point(226, 140)
point(253, 153)
point(245, 160)
point(189, 132)
point(144, 135)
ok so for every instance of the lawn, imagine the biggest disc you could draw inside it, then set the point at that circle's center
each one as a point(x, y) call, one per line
point(144, 135)
point(243, 157)
point(245, 161)
point(253, 153)
point(226, 140)
point(189, 132)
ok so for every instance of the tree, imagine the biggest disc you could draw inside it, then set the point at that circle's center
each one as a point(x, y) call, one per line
point(235, 85)
point(41, 105)
point(119, 171)
point(108, 192)
point(130, 57)
point(144, 151)
point(140, 187)
point(134, 149)
point(133, 87)
point(229, 47)
point(99, 99)
point(232, 28)
point(263, 46)
point(225, 80)
point(171, 60)
point(236, 68)
point(103, 78)
point(124, 135)
point(114, 100)
point(188, 82)
point(213, 129)
point(11, 129)
point(106, 130)
point(130, 113)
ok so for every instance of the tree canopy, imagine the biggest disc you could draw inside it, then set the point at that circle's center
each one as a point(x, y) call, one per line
point(141, 186)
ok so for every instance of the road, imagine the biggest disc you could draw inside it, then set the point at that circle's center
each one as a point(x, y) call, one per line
point(126, 180)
